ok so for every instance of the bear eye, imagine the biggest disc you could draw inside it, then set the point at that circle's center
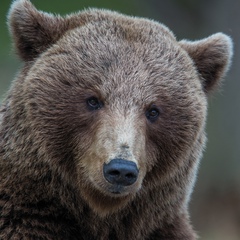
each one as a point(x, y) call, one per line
point(152, 114)
point(93, 103)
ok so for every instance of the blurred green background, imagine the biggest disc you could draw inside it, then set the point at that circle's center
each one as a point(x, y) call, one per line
point(215, 205)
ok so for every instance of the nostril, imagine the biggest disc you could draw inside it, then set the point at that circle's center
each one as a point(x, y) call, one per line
point(130, 175)
point(114, 173)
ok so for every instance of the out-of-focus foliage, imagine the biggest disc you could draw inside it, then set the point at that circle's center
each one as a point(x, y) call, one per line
point(215, 204)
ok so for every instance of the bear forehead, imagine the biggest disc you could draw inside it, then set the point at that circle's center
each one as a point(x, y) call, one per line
point(120, 57)
point(126, 70)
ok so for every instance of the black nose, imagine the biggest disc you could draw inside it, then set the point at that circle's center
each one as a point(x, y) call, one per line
point(120, 172)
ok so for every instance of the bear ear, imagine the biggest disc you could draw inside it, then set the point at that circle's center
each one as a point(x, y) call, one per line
point(33, 31)
point(212, 57)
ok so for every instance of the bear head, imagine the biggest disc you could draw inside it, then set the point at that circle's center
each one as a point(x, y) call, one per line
point(115, 104)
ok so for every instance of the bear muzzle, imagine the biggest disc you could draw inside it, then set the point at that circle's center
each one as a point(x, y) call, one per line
point(120, 173)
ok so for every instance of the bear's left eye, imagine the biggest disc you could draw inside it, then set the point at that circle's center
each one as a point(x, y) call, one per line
point(93, 103)
point(152, 114)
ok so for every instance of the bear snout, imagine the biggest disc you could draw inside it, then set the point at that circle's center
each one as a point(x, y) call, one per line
point(120, 173)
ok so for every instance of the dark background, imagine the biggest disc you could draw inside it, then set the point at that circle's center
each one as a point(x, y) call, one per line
point(215, 205)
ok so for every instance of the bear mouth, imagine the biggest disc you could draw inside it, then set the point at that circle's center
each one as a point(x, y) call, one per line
point(116, 192)
point(116, 189)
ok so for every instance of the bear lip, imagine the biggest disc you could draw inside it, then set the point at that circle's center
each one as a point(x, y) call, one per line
point(116, 192)
point(117, 189)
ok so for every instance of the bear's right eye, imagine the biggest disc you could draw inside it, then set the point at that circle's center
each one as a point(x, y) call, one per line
point(152, 114)
point(93, 103)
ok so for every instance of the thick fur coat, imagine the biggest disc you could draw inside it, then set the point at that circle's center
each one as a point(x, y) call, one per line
point(99, 86)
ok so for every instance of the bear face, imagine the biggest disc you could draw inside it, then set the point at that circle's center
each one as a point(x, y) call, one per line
point(112, 104)
point(113, 96)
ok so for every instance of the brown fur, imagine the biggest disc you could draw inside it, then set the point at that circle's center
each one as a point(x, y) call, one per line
point(53, 147)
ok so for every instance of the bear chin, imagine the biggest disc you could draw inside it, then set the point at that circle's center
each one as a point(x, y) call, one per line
point(104, 203)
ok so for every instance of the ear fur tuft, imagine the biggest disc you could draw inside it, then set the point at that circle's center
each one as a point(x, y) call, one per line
point(33, 31)
point(212, 57)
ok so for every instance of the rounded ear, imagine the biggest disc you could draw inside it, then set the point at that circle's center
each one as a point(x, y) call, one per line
point(212, 57)
point(33, 31)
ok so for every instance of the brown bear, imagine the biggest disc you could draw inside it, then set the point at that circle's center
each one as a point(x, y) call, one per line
point(102, 130)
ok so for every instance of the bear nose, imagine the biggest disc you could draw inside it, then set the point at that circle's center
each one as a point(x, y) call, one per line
point(120, 172)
